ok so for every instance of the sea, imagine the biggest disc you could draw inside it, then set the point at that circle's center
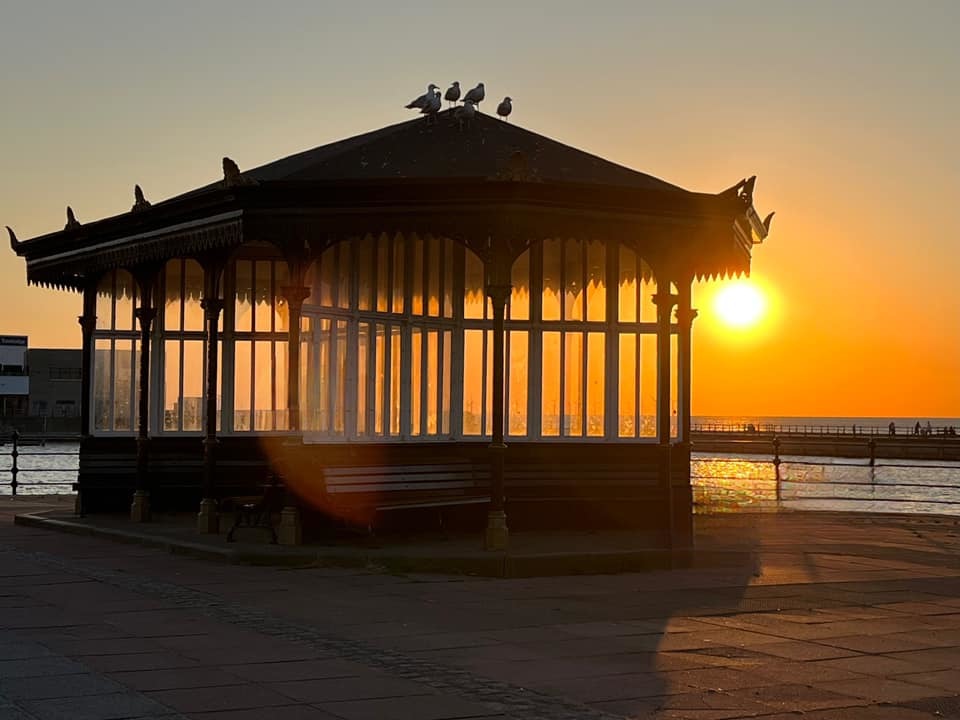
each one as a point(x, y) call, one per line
point(722, 482)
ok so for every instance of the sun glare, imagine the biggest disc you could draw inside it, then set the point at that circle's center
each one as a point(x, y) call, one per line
point(740, 304)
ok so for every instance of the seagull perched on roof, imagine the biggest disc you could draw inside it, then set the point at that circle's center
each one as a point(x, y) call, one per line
point(465, 113)
point(433, 105)
point(505, 108)
point(421, 102)
point(453, 93)
point(475, 95)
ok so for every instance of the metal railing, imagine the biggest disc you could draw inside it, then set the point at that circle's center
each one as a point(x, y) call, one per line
point(899, 431)
point(776, 483)
point(13, 446)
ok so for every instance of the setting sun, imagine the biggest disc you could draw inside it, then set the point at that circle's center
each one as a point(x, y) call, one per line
point(740, 304)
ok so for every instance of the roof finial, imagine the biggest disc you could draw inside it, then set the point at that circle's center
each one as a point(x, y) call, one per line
point(232, 176)
point(139, 201)
point(767, 219)
point(72, 221)
point(14, 243)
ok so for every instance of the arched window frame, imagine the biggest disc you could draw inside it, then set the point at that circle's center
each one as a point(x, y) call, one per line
point(113, 395)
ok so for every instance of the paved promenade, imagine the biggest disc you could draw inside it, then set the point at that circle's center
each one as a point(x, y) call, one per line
point(839, 617)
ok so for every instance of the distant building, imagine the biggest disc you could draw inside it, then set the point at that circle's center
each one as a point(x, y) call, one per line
point(38, 382)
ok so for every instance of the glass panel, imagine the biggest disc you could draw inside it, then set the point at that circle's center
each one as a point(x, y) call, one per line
point(171, 385)
point(395, 380)
point(648, 311)
point(241, 386)
point(307, 373)
point(432, 380)
point(193, 292)
point(648, 385)
point(192, 385)
point(573, 384)
point(551, 280)
point(573, 280)
point(344, 271)
point(122, 384)
point(417, 308)
point(383, 273)
point(674, 387)
point(448, 251)
point(416, 374)
point(340, 409)
point(520, 295)
point(243, 307)
point(433, 249)
point(627, 387)
point(399, 284)
point(281, 309)
point(281, 420)
point(365, 272)
point(123, 313)
point(263, 316)
point(473, 292)
point(517, 403)
point(472, 382)
point(328, 276)
point(363, 356)
point(596, 282)
point(445, 387)
point(263, 386)
point(488, 384)
point(171, 295)
point(550, 389)
point(102, 370)
point(627, 298)
point(105, 303)
point(379, 377)
point(596, 353)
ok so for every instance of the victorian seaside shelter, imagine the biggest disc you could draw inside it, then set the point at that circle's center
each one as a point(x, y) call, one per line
point(474, 297)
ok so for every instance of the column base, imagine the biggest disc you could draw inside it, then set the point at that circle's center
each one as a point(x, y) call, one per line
point(140, 507)
point(208, 520)
point(290, 531)
point(497, 536)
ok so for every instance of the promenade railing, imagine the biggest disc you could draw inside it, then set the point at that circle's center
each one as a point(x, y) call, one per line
point(853, 429)
point(25, 464)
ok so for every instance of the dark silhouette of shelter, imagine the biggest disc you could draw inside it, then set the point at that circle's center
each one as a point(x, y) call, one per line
point(473, 296)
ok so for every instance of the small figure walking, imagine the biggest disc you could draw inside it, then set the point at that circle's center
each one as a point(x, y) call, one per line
point(892, 428)
point(916, 428)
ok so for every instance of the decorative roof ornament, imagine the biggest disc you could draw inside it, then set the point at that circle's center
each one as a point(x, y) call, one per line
point(15, 244)
point(453, 93)
point(72, 222)
point(139, 201)
point(505, 108)
point(232, 177)
point(767, 219)
point(421, 102)
point(476, 95)
point(517, 169)
point(743, 190)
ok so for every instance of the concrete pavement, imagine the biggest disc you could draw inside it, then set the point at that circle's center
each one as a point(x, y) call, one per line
point(839, 617)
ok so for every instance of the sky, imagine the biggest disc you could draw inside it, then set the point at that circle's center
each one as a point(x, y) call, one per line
point(846, 111)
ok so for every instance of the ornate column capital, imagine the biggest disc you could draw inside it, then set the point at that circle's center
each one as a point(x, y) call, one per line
point(665, 300)
point(88, 323)
point(211, 306)
point(686, 316)
point(145, 316)
point(498, 294)
point(295, 295)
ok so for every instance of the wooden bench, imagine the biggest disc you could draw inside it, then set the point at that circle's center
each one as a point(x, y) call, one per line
point(368, 490)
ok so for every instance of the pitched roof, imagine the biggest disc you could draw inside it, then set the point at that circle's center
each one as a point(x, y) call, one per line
point(443, 149)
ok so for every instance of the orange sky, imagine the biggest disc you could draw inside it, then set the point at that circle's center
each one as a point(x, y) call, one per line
point(845, 113)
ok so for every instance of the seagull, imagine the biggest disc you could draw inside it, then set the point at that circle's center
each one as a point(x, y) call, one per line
point(465, 113)
point(432, 105)
point(453, 93)
point(505, 108)
point(476, 95)
point(421, 102)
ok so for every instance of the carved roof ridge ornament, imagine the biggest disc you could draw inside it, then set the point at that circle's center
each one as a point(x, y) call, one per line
point(516, 168)
point(742, 190)
point(768, 219)
point(72, 221)
point(139, 201)
point(232, 177)
point(15, 244)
